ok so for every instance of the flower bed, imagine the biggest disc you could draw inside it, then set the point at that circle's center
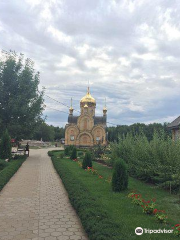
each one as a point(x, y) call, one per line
point(87, 190)
point(149, 207)
point(92, 171)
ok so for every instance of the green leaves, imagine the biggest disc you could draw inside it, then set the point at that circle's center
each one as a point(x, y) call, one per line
point(120, 176)
point(21, 103)
point(87, 161)
point(156, 161)
point(5, 146)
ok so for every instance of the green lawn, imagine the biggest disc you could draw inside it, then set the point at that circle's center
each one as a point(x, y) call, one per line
point(10, 169)
point(119, 208)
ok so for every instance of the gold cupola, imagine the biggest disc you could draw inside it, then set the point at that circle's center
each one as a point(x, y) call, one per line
point(71, 109)
point(105, 109)
point(88, 98)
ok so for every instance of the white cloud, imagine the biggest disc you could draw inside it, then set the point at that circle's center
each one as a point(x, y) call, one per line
point(128, 50)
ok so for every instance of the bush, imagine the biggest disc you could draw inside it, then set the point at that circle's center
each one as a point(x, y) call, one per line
point(120, 176)
point(68, 150)
point(74, 154)
point(98, 150)
point(156, 161)
point(5, 146)
point(87, 161)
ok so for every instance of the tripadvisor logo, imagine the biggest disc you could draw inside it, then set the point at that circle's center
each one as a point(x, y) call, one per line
point(139, 231)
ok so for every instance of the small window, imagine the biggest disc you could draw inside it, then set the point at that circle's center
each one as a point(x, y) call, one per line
point(72, 137)
point(97, 138)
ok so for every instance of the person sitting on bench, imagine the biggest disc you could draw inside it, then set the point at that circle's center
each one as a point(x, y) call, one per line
point(27, 149)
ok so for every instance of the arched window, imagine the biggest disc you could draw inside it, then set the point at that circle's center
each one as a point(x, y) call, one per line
point(72, 135)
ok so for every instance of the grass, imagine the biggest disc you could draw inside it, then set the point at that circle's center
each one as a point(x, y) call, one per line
point(90, 195)
point(10, 170)
point(3, 164)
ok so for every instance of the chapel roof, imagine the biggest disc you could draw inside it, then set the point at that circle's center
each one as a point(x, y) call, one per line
point(97, 120)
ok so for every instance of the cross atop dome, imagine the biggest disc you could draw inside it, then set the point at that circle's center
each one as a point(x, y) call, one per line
point(88, 98)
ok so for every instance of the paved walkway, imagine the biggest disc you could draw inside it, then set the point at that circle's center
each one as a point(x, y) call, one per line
point(34, 204)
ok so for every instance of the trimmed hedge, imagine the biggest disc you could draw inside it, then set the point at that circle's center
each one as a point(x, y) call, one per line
point(10, 170)
point(95, 220)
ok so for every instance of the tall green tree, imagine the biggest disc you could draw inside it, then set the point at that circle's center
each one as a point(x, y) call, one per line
point(5, 146)
point(21, 103)
point(120, 176)
point(44, 132)
point(122, 130)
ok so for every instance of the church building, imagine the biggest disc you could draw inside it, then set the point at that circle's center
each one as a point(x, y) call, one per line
point(86, 130)
point(175, 129)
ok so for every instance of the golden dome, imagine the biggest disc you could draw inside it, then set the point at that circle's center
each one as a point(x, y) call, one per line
point(88, 98)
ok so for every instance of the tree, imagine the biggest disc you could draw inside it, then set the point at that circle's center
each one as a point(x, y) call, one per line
point(5, 146)
point(122, 130)
point(87, 161)
point(21, 103)
point(120, 176)
point(59, 133)
point(44, 132)
point(74, 153)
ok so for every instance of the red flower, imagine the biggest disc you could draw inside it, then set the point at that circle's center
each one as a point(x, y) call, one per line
point(177, 225)
point(155, 211)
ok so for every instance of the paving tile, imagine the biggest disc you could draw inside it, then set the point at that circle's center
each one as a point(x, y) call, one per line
point(34, 205)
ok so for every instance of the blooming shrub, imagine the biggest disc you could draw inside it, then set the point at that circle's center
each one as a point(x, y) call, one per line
point(136, 198)
point(160, 215)
point(148, 207)
point(176, 230)
point(92, 170)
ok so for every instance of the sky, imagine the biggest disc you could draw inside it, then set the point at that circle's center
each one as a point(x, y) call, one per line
point(128, 50)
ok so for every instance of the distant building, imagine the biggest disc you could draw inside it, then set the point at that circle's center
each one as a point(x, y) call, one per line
point(87, 129)
point(175, 128)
